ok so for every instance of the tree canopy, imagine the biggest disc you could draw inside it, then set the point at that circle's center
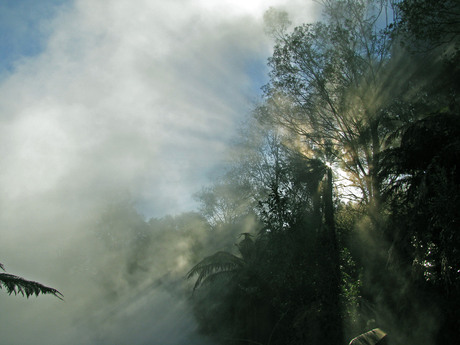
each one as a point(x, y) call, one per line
point(349, 175)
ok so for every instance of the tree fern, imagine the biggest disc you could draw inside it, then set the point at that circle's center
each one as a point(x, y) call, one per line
point(15, 284)
point(219, 265)
point(223, 265)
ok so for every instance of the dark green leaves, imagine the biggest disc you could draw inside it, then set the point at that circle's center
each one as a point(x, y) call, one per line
point(219, 265)
point(18, 285)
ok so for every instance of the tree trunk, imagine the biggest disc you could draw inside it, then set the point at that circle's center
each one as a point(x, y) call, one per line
point(331, 295)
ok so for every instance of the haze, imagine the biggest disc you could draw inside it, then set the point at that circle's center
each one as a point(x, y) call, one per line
point(109, 103)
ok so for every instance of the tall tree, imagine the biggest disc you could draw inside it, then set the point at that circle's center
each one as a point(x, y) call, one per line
point(297, 248)
point(330, 84)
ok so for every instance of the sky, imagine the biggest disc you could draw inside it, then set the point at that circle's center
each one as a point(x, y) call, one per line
point(105, 102)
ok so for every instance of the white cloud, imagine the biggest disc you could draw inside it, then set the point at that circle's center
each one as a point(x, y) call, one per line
point(123, 86)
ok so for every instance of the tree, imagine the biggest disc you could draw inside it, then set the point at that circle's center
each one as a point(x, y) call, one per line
point(423, 227)
point(296, 249)
point(432, 23)
point(330, 84)
point(265, 178)
point(15, 284)
point(343, 97)
point(230, 296)
point(430, 33)
point(224, 265)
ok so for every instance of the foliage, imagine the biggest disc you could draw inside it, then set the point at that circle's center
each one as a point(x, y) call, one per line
point(330, 82)
point(279, 275)
point(424, 202)
point(15, 284)
point(435, 22)
point(215, 266)
point(229, 289)
point(376, 105)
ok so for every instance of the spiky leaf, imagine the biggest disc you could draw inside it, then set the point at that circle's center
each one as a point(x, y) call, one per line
point(220, 263)
point(15, 284)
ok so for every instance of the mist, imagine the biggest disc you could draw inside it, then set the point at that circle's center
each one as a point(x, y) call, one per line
point(120, 113)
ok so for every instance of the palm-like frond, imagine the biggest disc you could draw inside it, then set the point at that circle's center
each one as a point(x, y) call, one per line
point(15, 284)
point(218, 277)
point(215, 266)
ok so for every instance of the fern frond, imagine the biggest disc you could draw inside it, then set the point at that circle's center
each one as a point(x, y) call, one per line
point(15, 284)
point(213, 264)
point(219, 276)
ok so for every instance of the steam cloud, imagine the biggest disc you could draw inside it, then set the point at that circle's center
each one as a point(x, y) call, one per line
point(128, 101)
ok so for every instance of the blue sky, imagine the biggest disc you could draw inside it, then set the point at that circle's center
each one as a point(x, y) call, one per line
point(23, 28)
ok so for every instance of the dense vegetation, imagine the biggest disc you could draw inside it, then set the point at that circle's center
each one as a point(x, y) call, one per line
point(344, 186)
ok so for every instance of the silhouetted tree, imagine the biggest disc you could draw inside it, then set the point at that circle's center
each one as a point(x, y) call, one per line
point(344, 97)
point(424, 220)
point(329, 84)
point(431, 23)
point(231, 296)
